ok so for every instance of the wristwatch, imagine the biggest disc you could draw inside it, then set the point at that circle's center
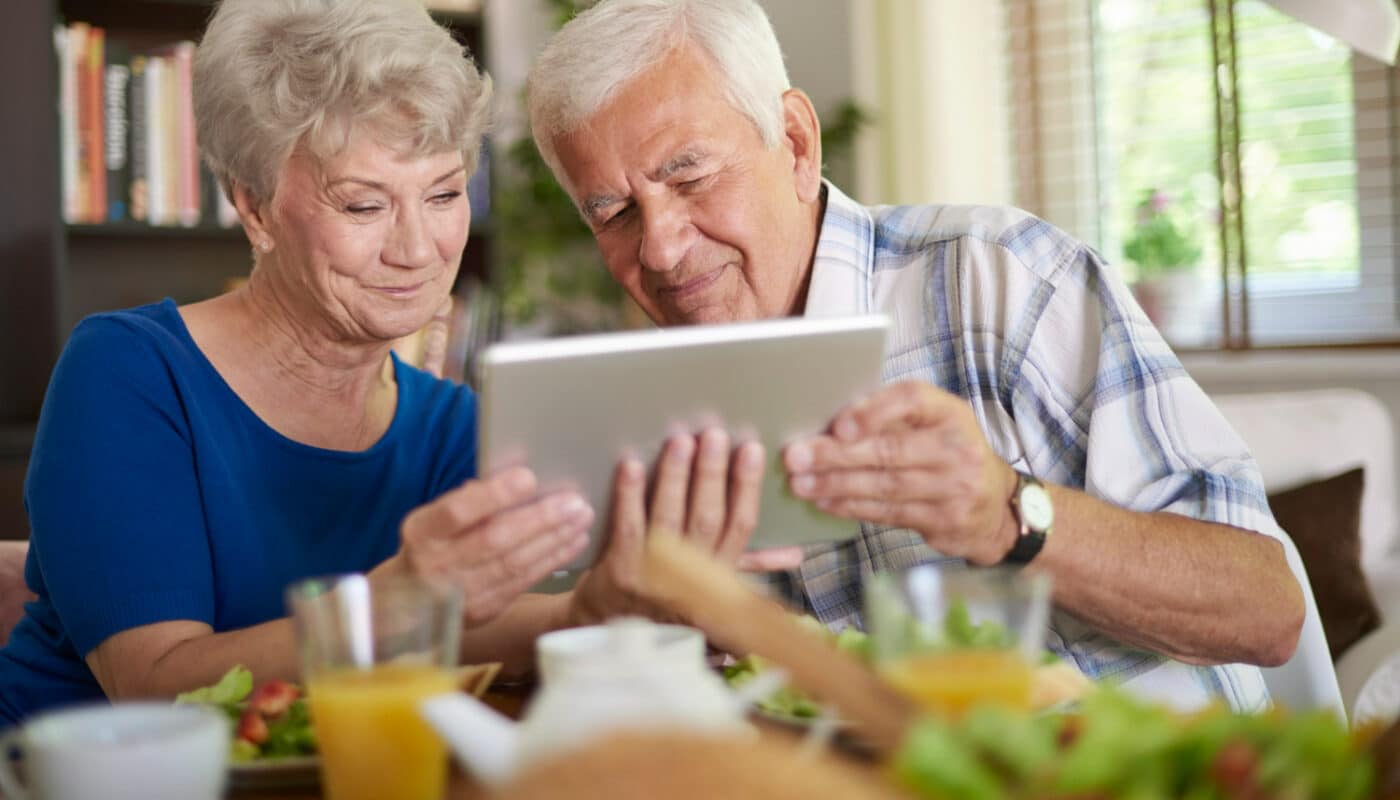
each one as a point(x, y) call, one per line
point(1035, 515)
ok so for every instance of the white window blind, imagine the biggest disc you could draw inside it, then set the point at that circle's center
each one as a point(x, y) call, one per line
point(1132, 83)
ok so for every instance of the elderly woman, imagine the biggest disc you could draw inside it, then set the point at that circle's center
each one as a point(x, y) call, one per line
point(191, 461)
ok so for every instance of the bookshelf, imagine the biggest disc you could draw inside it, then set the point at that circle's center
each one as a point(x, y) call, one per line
point(52, 274)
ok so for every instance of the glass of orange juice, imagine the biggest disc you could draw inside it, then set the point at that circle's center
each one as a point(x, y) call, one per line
point(369, 654)
point(953, 638)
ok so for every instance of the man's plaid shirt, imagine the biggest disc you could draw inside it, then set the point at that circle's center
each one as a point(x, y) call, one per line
point(1069, 381)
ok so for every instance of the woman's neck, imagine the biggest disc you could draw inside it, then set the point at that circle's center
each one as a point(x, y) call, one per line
point(294, 370)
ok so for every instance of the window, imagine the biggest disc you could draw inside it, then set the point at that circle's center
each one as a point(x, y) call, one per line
point(1126, 91)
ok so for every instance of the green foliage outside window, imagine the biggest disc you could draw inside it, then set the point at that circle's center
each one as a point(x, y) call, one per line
point(1163, 239)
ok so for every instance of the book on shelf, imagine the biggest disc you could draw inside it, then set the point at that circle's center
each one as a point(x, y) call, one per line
point(127, 144)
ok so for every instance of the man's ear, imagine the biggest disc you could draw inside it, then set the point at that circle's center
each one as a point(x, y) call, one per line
point(803, 133)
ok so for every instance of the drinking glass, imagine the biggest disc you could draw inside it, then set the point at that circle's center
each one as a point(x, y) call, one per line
point(952, 639)
point(369, 654)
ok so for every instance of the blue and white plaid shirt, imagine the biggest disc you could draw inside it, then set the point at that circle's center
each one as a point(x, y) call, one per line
point(1069, 382)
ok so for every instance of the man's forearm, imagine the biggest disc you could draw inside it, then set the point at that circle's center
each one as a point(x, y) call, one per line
point(1196, 591)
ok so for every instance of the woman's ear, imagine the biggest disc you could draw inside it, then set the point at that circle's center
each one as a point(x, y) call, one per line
point(251, 214)
point(803, 133)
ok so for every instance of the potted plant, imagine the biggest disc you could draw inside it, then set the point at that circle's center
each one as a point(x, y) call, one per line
point(1165, 249)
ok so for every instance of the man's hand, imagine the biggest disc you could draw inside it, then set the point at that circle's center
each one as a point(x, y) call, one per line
point(493, 537)
point(703, 491)
point(911, 455)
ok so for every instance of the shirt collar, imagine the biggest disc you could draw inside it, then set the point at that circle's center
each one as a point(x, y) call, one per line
point(844, 259)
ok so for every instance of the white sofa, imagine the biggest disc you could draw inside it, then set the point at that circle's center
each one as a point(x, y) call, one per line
point(1302, 436)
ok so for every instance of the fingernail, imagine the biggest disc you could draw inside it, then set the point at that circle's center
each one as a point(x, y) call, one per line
point(632, 470)
point(799, 457)
point(567, 506)
point(581, 517)
point(520, 479)
point(713, 442)
point(846, 429)
point(802, 485)
point(681, 447)
point(751, 456)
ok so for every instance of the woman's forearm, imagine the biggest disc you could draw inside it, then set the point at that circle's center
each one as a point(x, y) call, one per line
point(167, 658)
point(510, 637)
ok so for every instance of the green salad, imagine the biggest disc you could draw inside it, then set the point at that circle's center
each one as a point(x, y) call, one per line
point(1121, 747)
point(958, 632)
point(268, 723)
point(789, 701)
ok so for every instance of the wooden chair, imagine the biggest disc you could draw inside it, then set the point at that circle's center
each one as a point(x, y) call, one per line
point(13, 591)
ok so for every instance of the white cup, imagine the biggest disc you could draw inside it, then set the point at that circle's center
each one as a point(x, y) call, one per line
point(122, 751)
point(561, 650)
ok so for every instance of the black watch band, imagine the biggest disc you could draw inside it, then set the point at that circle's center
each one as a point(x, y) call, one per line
point(1031, 535)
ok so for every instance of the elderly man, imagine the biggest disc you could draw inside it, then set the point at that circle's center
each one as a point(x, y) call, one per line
point(1033, 416)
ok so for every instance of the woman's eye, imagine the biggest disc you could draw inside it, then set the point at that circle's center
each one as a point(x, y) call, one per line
point(444, 198)
point(361, 210)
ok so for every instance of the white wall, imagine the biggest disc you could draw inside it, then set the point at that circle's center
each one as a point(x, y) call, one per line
point(816, 40)
point(1374, 371)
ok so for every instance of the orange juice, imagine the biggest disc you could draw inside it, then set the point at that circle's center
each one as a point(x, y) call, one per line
point(373, 743)
point(950, 683)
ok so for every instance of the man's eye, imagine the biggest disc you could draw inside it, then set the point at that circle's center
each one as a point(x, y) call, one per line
point(618, 218)
point(695, 183)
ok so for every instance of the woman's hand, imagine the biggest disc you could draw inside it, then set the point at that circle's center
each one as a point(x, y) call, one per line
point(494, 538)
point(703, 491)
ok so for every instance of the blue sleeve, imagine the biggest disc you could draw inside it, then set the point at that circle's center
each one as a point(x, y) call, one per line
point(113, 499)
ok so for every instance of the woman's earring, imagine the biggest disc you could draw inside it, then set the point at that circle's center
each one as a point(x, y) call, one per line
point(265, 245)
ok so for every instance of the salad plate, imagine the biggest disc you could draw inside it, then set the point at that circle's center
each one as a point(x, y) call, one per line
point(292, 772)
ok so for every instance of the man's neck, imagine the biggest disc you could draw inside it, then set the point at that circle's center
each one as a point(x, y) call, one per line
point(818, 214)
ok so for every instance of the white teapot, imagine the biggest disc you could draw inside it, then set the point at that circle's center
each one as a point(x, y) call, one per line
point(629, 674)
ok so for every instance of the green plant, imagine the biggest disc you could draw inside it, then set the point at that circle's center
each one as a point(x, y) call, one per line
point(547, 263)
point(1163, 238)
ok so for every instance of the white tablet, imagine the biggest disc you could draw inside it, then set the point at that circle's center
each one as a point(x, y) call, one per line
point(571, 408)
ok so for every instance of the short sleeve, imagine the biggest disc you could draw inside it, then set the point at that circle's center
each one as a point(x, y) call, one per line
point(1109, 401)
point(118, 526)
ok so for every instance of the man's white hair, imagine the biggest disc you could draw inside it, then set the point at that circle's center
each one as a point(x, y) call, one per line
point(271, 75)
point(606, 47)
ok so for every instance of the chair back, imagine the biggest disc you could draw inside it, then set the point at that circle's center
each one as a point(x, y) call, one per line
point(14, 593)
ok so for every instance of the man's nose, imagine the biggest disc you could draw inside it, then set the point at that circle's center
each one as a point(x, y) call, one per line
point(667, 234)
point(410, 244)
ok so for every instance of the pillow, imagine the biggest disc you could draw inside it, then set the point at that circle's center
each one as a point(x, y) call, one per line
point(1324, 520)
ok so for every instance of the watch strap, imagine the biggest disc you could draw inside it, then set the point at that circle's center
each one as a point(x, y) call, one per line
point(1029, 541)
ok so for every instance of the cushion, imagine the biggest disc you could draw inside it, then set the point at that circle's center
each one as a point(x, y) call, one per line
point(1324, 520)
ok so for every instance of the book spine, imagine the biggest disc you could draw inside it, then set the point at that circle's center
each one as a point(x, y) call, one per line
point(116, 91)
point(170, 142)
point(139, 194)
point(155, 140)
point(77, 210)
point(190, 211)
point(67, 123)
point(93, 74)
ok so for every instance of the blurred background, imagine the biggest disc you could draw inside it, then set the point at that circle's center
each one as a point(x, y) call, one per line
point(1234, 163)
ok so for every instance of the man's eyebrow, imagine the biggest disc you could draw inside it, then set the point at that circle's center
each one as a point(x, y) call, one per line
point(597, 203)
point(681, 161)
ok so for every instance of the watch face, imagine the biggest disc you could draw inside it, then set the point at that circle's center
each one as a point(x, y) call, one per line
point(1036, 509)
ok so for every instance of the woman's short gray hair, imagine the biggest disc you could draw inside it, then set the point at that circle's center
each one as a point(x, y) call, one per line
point(606, 47)
point(270, 75)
